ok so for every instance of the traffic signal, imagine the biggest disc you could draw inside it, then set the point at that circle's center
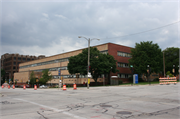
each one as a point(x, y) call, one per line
point(89, 68)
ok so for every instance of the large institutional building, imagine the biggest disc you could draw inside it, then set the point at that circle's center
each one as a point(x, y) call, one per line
point(57, 65)
point(10, 63)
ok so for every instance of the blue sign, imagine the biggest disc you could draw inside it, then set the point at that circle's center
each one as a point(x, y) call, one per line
point(59, 72)
point(135, 78)
point(9, 80)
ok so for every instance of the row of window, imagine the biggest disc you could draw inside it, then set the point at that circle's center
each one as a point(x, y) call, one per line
point(85, 76)
point(45, 63)
point(52, 69)
point(125, 65)
point(123, 54)
point(24, 59)
point(124, 75)
point(104, 52)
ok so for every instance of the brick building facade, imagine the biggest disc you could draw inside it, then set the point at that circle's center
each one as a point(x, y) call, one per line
point(10, 63)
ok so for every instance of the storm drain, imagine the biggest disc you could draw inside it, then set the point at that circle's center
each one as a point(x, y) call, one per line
point(106, 105)
point(123, 112)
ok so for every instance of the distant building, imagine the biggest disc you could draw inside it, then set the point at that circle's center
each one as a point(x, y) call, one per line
point(10, 63)
point(57, 65)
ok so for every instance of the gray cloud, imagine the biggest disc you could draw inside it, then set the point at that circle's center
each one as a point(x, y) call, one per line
point(50, 27)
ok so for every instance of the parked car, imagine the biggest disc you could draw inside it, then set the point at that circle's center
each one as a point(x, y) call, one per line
point(27, 86)
point(43, 86)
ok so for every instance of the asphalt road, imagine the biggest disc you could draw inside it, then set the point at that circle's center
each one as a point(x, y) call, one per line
point(113, 102)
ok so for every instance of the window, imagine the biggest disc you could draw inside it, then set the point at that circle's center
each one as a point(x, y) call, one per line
point(14, 63)
point(125, 65)
point(19, 58)
point(124, 75)
point(123, 54)
point(24, 59)
point(14, 58)
point(45, 63)
point(104, 52)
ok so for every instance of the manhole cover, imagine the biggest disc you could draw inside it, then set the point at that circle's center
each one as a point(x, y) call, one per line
point(105, 105)
point(123, 112)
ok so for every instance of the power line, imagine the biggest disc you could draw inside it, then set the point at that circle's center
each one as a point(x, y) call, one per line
point(142, 31)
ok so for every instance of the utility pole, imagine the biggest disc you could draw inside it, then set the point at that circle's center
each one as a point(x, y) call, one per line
point(164, 64)
point(88, 55)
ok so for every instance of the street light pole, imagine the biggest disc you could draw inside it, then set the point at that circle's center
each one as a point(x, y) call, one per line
point(164, 64)
point(173, 70)
point(88, 55)
point(88, 61)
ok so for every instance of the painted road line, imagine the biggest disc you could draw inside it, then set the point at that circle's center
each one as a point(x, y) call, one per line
point(55, 109)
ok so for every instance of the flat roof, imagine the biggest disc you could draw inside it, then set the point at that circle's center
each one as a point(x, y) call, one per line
point(70, 52)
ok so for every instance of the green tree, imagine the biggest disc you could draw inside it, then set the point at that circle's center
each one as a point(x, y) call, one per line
point(171, 56)
point(3, 72)
point(99, 63)
point(32, 79)
point(169, 73)
point(146, 53)
point(46, 76)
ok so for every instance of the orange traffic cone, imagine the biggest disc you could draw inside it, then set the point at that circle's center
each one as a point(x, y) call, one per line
point(74, 86)
point(24, 87)
point(8, 86)
point(35, 87)
point(2, 86)
point(13, 87)
point(64, 87)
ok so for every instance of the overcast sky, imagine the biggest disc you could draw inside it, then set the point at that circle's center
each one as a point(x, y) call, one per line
point(50, 27)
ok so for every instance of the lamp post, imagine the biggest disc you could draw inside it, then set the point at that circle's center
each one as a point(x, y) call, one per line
point(88, 39)
point(173, 70)
point(179, 72)
point(132, 73)
point(164, 64)
point(148, 70)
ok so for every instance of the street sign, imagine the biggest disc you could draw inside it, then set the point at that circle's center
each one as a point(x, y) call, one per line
point(59, 72)
point(89, 75)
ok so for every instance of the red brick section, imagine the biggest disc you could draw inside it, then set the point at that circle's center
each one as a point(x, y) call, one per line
point(113, 49)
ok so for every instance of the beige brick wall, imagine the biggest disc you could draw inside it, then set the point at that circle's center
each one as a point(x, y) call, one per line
point(23, 74)
point(22, 77)
point(64, 55)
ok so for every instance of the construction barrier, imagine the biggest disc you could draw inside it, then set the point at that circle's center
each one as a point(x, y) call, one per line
point(13, 86)
point(24, 87)
point(74, 86)
point(8, 86)
point(35, 87)
point(167, 80)
point(64, 87)
point(2, 86)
